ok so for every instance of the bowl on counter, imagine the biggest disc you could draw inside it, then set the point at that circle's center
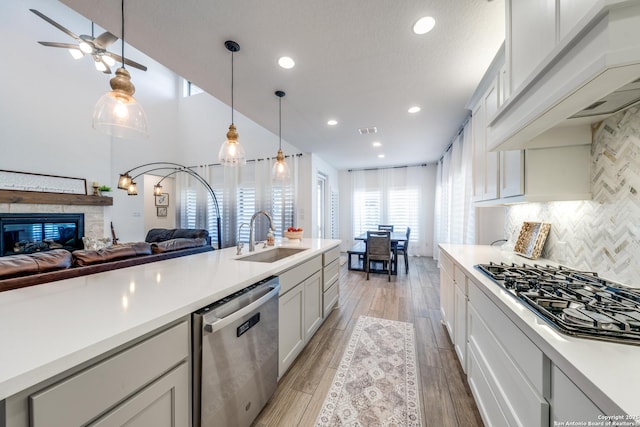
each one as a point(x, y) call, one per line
point(293, 235)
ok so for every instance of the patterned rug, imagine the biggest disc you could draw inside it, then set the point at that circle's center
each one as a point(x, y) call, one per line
point(376, 383)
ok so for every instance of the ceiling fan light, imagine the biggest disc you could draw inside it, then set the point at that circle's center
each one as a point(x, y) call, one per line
point(108, 60)
point(85, 47)
point(117, 113)
point(100, 65)
point(76, 53)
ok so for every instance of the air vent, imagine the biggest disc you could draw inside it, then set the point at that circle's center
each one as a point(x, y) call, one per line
point(367, 131)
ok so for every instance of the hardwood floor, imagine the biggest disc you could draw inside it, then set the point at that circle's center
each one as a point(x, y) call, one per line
point(446, 398)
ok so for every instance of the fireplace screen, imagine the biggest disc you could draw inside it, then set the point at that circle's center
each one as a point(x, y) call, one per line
point(29, 233)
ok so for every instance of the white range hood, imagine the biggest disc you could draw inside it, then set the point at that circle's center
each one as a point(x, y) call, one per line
point(593, 73)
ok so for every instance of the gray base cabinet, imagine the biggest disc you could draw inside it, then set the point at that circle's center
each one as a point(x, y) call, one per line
point(513, 382)
point(143, 384)
point(300, 310)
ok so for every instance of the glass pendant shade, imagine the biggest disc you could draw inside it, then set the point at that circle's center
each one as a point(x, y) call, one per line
point(157, 189)
point(280, 170)
point(124, 181)
point(232, 153)
point(117, 113)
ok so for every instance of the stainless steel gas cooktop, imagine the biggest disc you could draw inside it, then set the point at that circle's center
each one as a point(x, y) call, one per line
point(575, 302)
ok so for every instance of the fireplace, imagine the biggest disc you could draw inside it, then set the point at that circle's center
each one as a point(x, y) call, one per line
point(28, 232)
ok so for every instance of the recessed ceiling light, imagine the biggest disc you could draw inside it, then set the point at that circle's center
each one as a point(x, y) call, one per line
point(424, 25)
point(381, 156)
point(414, 110)
point(376, 144)
point(286, 62)
point(332, 122)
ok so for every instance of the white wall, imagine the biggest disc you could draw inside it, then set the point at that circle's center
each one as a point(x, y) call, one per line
point(48, 99)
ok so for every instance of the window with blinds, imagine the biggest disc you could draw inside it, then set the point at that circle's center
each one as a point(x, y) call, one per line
point(282, 208)
point(367, 213)
point(400, 209)
point(246, 198)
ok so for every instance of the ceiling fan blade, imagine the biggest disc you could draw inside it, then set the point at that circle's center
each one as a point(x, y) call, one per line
point(55, 24)
point(62, 45)
point(105, 40)
point(127, 61)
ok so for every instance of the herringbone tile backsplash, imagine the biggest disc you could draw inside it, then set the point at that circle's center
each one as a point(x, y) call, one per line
point(602, 234)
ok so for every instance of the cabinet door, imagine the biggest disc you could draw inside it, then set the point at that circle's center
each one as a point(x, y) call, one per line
point(163, 403)
point(290, 327)
point(460, 323)
point(511, 173)
point(446, 300)
point(568, 402)
point(312, 305)
point(478, 133)
point(485, 163)
point(533, 36)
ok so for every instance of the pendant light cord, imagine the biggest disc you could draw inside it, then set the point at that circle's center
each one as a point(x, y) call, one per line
point(280, 123)
point(122, 16)
point(231, 87)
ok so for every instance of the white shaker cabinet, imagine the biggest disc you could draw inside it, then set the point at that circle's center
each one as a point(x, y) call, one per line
point(145, 383)
point(446, 293)
point(301, 309)
point(485, 163)
point(531, 36)
point(330, 279)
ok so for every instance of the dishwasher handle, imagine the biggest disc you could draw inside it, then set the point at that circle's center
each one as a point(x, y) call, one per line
point(220, 323)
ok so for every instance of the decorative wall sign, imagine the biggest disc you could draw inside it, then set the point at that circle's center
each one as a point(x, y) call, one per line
point(162, 199)
point(161, 211)
point(25, 181)
point(531, 239)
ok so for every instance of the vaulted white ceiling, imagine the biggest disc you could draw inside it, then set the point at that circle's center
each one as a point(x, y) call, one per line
point(357, 61)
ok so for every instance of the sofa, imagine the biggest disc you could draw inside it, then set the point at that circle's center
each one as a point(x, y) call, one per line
point(23, 270)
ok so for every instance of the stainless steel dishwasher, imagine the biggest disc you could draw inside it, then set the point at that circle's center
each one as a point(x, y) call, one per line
point(235, 356)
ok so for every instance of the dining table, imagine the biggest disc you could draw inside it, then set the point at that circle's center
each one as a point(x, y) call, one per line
point(396, 237)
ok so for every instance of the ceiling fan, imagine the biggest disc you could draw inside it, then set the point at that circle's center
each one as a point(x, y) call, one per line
point(90, 45)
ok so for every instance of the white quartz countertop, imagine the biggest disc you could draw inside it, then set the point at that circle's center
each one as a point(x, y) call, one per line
point(49, 328)
point(608, 373)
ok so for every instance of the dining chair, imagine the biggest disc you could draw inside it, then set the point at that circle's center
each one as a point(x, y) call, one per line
point(379, 249)
point(382, 227)
point(403, 248)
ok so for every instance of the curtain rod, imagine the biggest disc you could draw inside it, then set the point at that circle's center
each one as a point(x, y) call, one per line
point(464, 123)
point(253, 160)
point(389, 167)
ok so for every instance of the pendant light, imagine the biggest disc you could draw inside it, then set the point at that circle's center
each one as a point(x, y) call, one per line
point(117, 113)
point(280, 171)
point(232, 153)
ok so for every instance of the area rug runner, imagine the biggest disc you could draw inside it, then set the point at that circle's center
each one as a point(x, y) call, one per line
point(376, 383)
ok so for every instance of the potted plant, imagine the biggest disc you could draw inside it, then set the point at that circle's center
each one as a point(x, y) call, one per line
point(104, 190)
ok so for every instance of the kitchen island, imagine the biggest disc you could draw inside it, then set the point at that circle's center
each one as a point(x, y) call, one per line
point(518, 366)
point(50, 329)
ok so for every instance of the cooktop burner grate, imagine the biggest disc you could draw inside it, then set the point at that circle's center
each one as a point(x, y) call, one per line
point(578, 303)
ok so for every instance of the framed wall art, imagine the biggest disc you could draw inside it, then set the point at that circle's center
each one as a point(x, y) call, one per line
point(26, 181)
point(531, 239)
point(161, 211)
point(162, 199)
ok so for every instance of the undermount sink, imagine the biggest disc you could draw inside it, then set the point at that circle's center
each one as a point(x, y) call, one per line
point(271, 255)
